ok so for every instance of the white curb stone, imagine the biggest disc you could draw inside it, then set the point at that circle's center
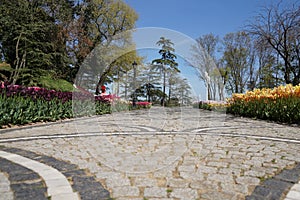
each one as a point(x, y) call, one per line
point(294, 193)
point(58, 186)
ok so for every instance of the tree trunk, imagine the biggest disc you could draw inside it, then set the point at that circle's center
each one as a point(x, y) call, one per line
point(208, 92)
point(164, 87)
point(148, 92)
point(19, 63)
point(126, 86)
point(169, 99)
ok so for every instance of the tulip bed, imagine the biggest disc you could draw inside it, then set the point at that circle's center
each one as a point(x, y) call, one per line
point(211, 105)
point(22, 105)
point(143, 104)
point(281, 104)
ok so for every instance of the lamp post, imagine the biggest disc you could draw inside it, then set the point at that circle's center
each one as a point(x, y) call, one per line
point(134, 65)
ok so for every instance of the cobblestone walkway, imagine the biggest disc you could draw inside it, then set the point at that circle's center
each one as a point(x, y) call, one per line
point(164, 153)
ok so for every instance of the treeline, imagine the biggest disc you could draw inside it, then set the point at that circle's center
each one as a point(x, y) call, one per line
point(50, 39)
point(265, 54)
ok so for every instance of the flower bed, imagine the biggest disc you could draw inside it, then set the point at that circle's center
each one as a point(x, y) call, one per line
point(22, 105)
point(280, 104)
point(211, 105)
point(143, 104)
point(19, 110)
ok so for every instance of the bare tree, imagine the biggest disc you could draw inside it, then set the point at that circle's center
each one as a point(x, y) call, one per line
point(269, 74)
point(239, 60)
point(280, 27)
point(204, 61)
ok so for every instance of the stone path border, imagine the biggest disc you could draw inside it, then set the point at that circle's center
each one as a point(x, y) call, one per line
point(277, 186)
point(294, 193)
point(5, 191)
point(86, 185)
point(23, 183)
point(58, 186)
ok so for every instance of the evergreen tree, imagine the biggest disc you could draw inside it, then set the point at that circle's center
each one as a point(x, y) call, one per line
point(167, 61)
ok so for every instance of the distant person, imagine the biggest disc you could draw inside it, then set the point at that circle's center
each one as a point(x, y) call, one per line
point(103, 90)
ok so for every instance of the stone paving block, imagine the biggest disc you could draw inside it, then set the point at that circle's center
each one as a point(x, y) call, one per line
point(206, 169)
point(276, 194)
point(289, 175)
point(84, 183)
point(255, 173)
point(34, 190)
point(202, 185)
point(248, 180)
point(128, 191)
point(238, 188)
point(184, 193)
point(278, 184)
point(94, 194)
point(72, 173)
point(255, 197)
point(240, 165)
point(256, 163)
point(177, 183)
point(228, 171)
point(216, 164)
point(262, 191)
point(118, 182)
point(156, 192)
point(145, 182)
point(215, 195)
point(23, 177)
point(189, 176)
point(163, 172)
point(220, 178)
point(14, 169)
point(187, 168)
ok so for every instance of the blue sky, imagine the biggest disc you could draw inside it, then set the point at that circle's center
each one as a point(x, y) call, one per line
point(198, 17)
point(183, 21)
